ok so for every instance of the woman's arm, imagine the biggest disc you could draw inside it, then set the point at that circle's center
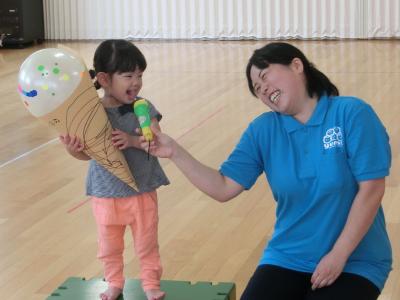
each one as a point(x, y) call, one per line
point(362, 213)
point(361, 216)
point(206, 179)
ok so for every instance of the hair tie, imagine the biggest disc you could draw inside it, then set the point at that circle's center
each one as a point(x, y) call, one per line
point(92, 73)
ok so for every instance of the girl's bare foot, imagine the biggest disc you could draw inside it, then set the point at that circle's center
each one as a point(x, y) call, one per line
point(155, 294)
point(111, 293)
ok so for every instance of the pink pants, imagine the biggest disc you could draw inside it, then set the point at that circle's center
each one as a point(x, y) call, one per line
point(141, 214)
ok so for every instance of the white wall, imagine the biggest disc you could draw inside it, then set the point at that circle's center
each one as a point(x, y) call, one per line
point(221, 19)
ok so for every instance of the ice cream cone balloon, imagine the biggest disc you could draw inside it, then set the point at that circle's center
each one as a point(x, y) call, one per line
point(56, 87)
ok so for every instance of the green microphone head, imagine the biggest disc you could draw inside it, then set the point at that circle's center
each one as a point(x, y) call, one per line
point(141, 110)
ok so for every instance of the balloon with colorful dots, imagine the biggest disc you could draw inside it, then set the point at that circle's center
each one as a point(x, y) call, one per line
point(56, 87)
point(47, 78)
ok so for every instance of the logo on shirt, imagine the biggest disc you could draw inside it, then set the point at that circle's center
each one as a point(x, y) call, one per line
point(333, 138)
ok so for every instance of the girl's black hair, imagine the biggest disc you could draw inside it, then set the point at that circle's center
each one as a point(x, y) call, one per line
point(117, 56)
point(283, 53)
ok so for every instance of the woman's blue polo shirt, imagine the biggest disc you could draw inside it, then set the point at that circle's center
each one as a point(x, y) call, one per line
point(313, 170)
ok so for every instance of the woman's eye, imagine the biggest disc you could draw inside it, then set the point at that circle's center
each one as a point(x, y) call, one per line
point(264, 76)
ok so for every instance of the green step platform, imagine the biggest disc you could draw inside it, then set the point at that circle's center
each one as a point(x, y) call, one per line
point(75, 288)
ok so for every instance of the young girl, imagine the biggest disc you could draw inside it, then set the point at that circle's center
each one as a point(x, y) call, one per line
point(118, 68)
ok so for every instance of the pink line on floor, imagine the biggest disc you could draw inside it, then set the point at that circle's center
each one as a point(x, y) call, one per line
point(201, 122)
point(77, 206)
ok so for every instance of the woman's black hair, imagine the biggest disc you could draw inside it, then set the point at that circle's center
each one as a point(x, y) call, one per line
point(317, 83)
point(117, 56)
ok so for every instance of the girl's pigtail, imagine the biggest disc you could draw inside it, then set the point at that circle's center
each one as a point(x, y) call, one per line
point(92, 74)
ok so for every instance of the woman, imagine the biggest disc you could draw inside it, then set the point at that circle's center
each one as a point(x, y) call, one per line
point(325, 157)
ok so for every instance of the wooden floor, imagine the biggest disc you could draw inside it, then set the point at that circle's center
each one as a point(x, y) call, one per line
point(46, 229)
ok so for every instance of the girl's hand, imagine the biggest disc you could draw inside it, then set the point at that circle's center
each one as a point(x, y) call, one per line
point(123, 140)
point(161, 146)
point(73, 144)
point(328, 270)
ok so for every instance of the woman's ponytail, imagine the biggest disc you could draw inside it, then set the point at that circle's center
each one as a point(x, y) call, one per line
point(318, 83)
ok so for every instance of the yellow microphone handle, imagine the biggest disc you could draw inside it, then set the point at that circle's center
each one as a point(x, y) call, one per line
point(147, 133)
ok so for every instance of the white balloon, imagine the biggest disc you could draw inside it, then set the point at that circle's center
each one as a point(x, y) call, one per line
point(47, 78)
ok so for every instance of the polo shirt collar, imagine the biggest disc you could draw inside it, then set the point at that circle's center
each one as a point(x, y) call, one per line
point(317, 117)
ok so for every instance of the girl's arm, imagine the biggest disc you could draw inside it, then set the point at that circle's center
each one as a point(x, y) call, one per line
point(206, 179)
point(123, 140)
point(361, 216)
point(74, 147)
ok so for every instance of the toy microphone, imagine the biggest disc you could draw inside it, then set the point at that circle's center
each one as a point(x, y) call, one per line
point(141, 110)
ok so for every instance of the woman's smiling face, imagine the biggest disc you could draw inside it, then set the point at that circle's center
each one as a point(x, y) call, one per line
point(279, 86)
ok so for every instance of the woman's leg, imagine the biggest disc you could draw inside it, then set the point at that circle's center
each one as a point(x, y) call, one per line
point(272, 283)
point(346, 287)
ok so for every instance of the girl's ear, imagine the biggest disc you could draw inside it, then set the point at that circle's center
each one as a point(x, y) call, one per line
point(297, 65)
point(103, 79)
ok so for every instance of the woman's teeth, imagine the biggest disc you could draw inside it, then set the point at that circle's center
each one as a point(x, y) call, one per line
point(274, 96)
